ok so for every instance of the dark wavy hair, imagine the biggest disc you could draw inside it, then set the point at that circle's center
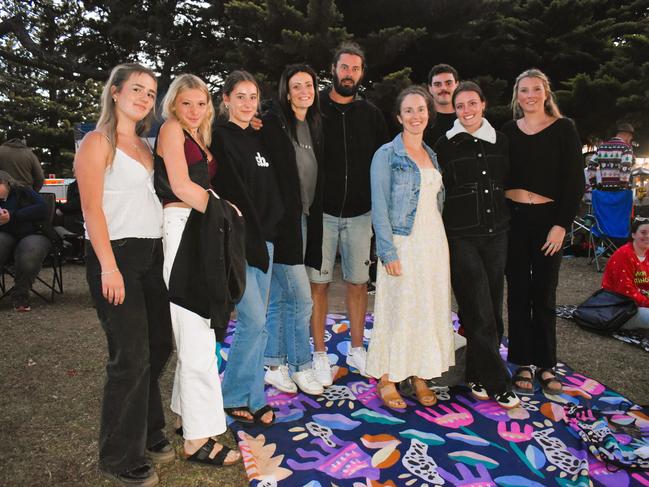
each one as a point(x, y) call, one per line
point(313, 116)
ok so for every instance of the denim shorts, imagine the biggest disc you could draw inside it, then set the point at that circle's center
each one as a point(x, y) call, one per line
point(355, 236)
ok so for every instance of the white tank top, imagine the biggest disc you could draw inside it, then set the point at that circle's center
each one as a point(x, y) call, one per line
point(130, 204)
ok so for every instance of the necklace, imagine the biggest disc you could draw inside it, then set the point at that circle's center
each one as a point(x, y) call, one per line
point(304, 146)
point(530, 129)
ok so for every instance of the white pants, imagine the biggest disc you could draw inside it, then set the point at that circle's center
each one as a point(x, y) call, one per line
point(196, 395)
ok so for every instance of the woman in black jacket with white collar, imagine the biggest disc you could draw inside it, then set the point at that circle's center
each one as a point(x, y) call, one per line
point(475, 161)
point(292, 132)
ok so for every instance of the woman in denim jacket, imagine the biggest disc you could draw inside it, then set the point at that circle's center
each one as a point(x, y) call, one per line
point(412, 336)
point(475, 161)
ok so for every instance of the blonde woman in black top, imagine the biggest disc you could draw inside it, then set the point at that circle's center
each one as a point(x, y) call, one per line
point(545, 186)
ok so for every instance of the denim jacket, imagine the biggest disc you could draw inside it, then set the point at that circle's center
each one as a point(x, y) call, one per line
point(395, 181)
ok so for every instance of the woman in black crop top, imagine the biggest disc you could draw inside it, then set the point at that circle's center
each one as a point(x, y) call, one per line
point(544, 190)
point(246, 176)
point(183, 166)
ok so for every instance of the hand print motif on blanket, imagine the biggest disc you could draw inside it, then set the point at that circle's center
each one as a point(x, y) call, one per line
point(346, 437)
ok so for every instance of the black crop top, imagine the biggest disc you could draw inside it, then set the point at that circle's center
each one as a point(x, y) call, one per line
point(201, 171)
point(548, 163)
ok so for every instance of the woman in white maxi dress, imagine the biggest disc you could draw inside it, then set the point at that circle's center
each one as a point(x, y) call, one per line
point(412, 335)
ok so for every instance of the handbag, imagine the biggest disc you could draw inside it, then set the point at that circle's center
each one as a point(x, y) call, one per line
point(605, 311)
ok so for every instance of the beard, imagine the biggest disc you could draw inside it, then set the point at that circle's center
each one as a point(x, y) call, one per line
point(344, 90)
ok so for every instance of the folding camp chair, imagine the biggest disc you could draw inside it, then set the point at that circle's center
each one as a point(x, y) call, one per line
point(53, 260)
point(611, 223)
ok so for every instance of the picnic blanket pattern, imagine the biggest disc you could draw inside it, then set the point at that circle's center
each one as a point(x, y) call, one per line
point(346, 437)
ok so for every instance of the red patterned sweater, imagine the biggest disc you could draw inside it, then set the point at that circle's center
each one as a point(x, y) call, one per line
point(625, 274)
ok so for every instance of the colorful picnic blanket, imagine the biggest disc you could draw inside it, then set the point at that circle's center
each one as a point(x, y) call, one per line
point(346, 437)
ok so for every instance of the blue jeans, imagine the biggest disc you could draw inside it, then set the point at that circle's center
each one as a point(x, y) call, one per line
point(243, 381)
point(640, 321)
point(29, 253)
point(289, 315)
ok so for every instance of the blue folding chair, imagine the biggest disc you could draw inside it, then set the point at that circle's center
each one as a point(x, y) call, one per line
point(611, 221)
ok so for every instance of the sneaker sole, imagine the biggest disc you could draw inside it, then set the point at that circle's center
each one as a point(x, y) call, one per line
point(311, 393)
point(281, 388)
point(161, 458)
point(324, 383)
point(479, 397)
point(509, 407)
point(149, 482)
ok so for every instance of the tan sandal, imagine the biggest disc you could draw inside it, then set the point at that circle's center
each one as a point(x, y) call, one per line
point(425, 396)
point(391, 399)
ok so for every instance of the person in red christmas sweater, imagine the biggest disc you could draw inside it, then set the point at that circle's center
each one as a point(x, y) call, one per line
point(627, 272)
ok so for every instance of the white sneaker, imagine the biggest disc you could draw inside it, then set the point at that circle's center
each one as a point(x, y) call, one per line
point(478, 391)
point(356, 358)
point(280, 379)
point(322, 368)
point(306, 381)
point(507, 400)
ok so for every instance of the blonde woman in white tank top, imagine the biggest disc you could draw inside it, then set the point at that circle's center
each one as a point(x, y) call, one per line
point(123, 216)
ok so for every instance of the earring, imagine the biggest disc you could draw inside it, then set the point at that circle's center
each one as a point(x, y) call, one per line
point(114, 100)
point(227, 107)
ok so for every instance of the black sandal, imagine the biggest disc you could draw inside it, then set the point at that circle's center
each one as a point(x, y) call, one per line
point(237, 417)
point(202, 455)
point(518, 377)
point(545, 383)
point(260, 413)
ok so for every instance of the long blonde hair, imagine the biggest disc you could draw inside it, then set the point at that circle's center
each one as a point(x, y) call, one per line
point(190, 82)
point(108, 117)
point(549, 106)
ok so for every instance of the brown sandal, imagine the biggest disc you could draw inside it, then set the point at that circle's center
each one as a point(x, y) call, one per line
point(391, 399)
point(425, 396)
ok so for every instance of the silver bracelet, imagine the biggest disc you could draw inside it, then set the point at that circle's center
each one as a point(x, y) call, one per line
point(112, 271)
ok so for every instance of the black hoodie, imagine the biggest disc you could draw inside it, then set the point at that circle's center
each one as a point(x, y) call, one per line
point(353, 133)
point(246, 177)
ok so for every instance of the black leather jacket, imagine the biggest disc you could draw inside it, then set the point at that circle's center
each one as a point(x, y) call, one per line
point(474, 172)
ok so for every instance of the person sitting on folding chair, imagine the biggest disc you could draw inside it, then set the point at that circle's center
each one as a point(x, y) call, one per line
point(22, 213)
point(627, 272)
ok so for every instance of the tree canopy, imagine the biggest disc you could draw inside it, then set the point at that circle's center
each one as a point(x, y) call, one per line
point(55, 54)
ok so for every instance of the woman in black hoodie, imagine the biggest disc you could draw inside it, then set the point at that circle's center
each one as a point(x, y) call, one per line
point(292, 131)
point(246, 177)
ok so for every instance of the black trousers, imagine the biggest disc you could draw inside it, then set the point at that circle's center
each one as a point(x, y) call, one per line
point(477, 276)
point(139, 343)
point(532, 279)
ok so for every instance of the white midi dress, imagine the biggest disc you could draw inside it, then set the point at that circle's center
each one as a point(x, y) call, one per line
point(413, 333)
